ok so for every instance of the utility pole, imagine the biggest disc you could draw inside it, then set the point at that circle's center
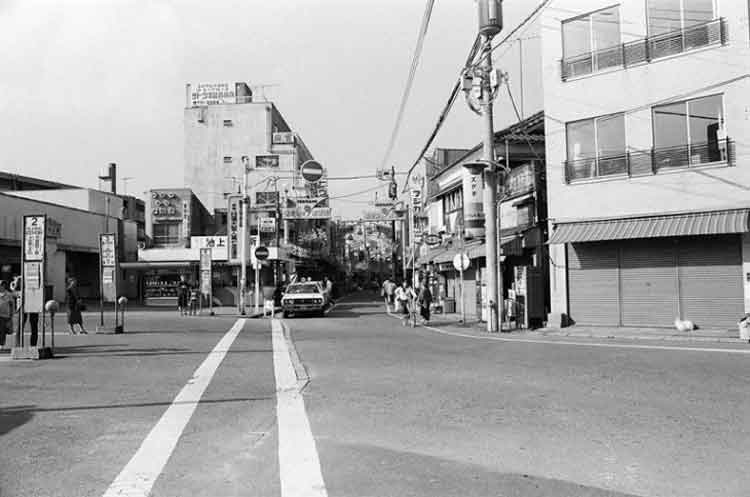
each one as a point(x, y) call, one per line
point(490, 23)
point(244, 231)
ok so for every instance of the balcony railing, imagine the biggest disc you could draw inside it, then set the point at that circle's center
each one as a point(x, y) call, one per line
point(646, 49)
point(642, 162)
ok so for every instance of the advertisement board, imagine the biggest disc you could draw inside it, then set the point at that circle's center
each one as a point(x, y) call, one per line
point(205, 267)
point(266, 162)
point(212, 94)
point(306, 212)
point(234, 228)
point(33, 252)
point(267, 225)
point(33, 286)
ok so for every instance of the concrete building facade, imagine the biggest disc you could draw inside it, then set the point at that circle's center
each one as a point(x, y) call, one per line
point(648, 161)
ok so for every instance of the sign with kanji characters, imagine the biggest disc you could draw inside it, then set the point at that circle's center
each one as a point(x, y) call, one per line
point(33, 286)
point(205, 267)
point(267, 224)
point(218, 246)
point(234, 227)
point(108, 266)
point(34, 237)
point(107, 250)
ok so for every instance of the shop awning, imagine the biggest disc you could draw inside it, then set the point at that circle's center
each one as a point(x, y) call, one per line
point(475, 249)
point(157, 265)
point(700, 223)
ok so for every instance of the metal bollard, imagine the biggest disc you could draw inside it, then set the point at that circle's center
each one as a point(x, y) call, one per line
point(122, 302)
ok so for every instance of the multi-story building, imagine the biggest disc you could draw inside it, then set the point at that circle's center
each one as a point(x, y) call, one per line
point(648, 143)
point(521, 210)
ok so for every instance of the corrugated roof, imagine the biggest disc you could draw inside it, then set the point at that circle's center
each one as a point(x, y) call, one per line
point(700, 223)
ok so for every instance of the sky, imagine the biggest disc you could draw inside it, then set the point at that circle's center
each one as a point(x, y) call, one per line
point(88, 82)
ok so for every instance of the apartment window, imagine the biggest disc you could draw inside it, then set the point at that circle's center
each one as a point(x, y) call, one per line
point(453, 202)
point(592, 42)
point(596, 147)
point(690, 132)
point(167, 233)
point(227, 159)
point(675, 26)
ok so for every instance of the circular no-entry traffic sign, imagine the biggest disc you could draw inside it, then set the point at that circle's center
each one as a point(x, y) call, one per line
point(261, 253)
point(461, 262)
point(312, 171)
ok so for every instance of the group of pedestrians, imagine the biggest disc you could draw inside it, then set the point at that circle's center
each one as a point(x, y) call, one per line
point(405, 300)
point(187, 298)
point(10, 298)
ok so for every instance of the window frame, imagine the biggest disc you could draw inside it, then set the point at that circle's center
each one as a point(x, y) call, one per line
point(689, 142)
point(597, 157)
point(590, 32)
point(649, 34)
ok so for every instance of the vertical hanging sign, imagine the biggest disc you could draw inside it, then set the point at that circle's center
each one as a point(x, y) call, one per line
point(206, 272)
point(108, 266)
point(34, 243)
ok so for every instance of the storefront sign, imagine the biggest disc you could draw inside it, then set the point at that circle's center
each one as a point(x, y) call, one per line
point(473, 209)
point(216, 244)
point(212, 94)
point(34, 237)
point(266, 161)
point(185, 219)
point(267, 225)
point(166, 206)
point(520, 180)
point(54, 229)
point(234, 227)
point(306, 212)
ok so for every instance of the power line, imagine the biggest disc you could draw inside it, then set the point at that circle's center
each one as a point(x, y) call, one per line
point(523, 133)
point(361, 192)
point(409, 81)
point(444, 113)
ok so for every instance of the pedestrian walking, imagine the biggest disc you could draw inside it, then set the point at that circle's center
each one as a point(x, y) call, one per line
point(193, 309)
point(75, 306)
point(425, 300)
point(405, 298)
point(328, 284)
point(183, 293)
point(6, 312)
point(388, 293)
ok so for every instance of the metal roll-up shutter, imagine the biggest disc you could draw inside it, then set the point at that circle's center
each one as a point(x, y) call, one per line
point(711, 280)
point(648, 279)
point(592, 283)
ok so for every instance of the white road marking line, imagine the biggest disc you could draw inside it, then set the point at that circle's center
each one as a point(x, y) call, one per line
point(140, 474)
point(299, 465)
point(584, 344)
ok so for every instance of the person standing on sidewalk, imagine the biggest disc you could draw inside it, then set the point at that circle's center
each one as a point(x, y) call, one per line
point(6, 312)
point(425, 300)
point(75, 306)
point(405, 297)
point(388, 291)
point(183, 291)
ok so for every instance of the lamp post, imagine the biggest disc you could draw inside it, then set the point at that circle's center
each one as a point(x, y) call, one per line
point(400, 212)
point(244, 233)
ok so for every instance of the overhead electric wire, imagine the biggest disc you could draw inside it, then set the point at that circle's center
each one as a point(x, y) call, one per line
point(444, 112)
point(409, 81)
point(362, 192)
point(518, 116)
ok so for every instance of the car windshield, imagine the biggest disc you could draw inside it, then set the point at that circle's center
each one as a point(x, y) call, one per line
point(306, 288)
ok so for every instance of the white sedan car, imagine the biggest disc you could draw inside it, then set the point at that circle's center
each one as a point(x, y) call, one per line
point(307, 297)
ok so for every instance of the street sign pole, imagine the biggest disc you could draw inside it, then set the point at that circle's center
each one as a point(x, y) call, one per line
point(257, 276)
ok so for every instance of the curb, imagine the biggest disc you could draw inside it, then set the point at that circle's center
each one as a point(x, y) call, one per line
point(299, 367)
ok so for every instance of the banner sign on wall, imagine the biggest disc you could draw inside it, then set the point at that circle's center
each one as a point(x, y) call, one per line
point(205, 266)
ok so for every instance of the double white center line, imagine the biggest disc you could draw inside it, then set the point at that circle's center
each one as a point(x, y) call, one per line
point(299, 465)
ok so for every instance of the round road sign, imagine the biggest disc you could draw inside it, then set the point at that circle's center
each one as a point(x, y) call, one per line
point(261, 253)
point(458, 260)
point(312, 171)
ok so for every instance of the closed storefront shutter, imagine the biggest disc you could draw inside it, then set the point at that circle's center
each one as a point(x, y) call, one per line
point(648, 282)
point(592, 283)
point(711, 280)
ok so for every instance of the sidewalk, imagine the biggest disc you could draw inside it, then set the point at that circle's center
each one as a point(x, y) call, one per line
point(451, 321)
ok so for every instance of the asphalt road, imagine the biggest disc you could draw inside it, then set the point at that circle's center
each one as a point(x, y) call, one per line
point(393, 411)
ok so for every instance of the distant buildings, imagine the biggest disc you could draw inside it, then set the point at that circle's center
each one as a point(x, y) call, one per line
point(648, 139)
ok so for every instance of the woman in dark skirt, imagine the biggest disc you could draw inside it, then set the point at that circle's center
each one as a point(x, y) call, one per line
point(74, 307)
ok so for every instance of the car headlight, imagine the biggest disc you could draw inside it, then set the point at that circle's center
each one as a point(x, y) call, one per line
point(286, 302)
point(318, 301)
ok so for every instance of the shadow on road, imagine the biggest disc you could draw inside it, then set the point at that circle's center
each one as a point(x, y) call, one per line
point(85, 351)
point(410, 473)
point(13, 417)
point(22, 414)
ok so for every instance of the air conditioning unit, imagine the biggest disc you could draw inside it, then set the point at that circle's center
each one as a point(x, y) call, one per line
point(283, 138)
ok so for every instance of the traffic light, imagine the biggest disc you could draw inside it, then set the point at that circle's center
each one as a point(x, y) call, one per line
point(393, 189)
